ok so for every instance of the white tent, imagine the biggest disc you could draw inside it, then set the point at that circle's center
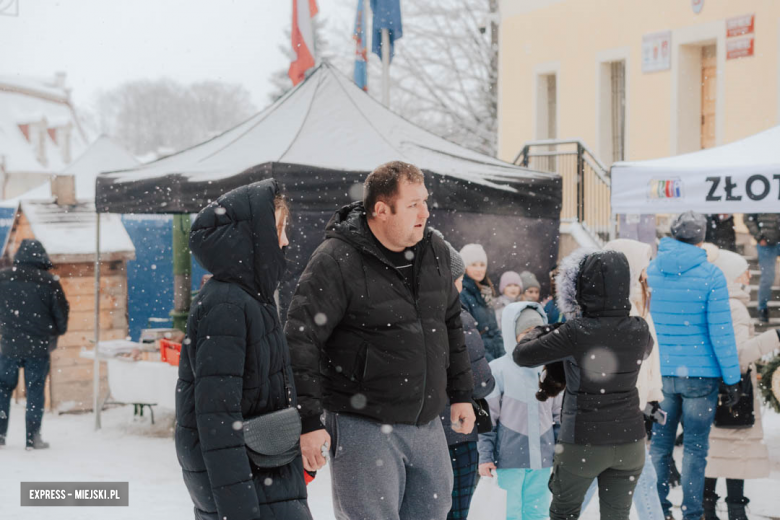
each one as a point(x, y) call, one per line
point(740, 177)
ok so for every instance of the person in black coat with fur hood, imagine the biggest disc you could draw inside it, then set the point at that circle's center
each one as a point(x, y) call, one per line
point(233, 361)
point(602, 348)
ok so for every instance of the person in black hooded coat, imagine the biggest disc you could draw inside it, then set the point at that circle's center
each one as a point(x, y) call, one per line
point(33, 313)
point(233, 361)
point(603, 348)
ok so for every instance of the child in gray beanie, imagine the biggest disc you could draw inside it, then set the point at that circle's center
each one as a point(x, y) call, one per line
point(531, 286)
point(511, 290)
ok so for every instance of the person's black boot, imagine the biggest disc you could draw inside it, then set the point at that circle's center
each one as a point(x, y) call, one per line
point(36, 443)
point(2, 440)
point(737, 510)
point(763, 315)
point(710, 504)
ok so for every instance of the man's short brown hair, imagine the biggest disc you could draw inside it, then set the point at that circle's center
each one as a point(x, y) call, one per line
point(382, 184)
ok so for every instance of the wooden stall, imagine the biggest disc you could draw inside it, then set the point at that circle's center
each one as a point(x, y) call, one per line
point(67, 232)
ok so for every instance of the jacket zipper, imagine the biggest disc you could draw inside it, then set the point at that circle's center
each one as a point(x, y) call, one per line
point(415, 296)
point(415, 293)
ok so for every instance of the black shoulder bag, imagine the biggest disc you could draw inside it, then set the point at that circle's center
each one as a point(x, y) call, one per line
point(741, 415)
point(273, 439)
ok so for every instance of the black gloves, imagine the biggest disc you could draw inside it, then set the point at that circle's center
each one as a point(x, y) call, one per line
point(733, 393)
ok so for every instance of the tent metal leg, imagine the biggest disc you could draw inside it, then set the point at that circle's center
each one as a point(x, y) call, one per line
point(96, 367)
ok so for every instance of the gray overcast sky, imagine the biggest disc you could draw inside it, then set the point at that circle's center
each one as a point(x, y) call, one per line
point(102, 43)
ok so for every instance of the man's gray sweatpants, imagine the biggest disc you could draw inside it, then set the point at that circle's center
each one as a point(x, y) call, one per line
point(383, 472)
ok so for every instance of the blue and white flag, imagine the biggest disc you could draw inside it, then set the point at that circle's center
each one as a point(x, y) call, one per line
point(387, 15)
point(361, 54)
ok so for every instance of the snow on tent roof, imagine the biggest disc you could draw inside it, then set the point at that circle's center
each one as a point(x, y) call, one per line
point(324, 134)
point(102, 155)
point(68, 232)
point(759, 150)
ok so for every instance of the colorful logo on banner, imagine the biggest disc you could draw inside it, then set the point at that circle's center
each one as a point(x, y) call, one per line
point(665, 189)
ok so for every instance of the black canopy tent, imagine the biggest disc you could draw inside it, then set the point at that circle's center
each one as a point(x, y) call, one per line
point(320, 141)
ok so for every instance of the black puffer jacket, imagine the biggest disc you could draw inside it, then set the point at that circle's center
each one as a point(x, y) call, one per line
point(485, 317)
point(33, 307)
point(362, 342)
point(602, 348)
point(764, 226)
point(232, 363)
point(484, 383)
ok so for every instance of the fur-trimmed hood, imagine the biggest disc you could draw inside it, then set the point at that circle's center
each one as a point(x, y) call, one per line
point(594, 283)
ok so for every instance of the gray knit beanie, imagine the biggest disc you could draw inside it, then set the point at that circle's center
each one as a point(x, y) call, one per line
point(529, 280)
point(457, 266)
point(528, 318)
point(689, 227)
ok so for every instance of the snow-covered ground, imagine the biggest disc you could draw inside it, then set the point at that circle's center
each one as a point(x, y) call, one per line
point(143, 455)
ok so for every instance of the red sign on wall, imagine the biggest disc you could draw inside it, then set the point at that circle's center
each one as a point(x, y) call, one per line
point(740, 48)
point(740, 25)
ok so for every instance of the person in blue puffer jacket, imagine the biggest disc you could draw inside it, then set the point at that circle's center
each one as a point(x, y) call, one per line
point(690, 308)
point(522, 444)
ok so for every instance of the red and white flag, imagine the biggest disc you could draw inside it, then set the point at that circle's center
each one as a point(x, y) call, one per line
point(302, 39)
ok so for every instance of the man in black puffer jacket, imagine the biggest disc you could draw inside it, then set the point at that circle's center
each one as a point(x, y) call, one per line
point(233, 361)
point(376, 341)
point(33, 312)
point(602, 428)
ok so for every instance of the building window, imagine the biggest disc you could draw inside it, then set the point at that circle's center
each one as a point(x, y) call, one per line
point(547, 109)
point(612, 111)
point(618, 109)
point(547, 115)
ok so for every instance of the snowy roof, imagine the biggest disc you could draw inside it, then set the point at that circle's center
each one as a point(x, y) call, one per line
point(25, 101)
point(102, 155)
point(328, 123)
point(68, 232)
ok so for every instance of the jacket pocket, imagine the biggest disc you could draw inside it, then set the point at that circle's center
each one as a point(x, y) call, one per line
point(332, 427)
point(699, 387)
point(361, 363)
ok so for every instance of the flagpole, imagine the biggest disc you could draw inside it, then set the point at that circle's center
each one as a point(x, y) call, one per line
point(386, 67)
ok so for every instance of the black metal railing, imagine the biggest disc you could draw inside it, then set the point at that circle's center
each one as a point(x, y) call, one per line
point(586, 183)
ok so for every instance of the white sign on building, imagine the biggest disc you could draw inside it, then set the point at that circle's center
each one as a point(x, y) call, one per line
point(657, 51)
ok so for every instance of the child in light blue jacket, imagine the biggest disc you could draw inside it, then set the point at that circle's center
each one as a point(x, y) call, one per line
point(521, 446)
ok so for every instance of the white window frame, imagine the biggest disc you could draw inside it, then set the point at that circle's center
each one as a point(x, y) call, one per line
point(547, 69)
point(603, 58)
point(696, 35)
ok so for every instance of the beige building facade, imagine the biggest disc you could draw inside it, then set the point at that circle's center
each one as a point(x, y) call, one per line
point(635, 79)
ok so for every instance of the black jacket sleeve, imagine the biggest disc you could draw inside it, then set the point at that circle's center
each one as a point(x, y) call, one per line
point(60, 308)
point(540, 348)
point(484, 382)
point(317, 307)
point(219, 376)
point(460, 382)
point(752, 224)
